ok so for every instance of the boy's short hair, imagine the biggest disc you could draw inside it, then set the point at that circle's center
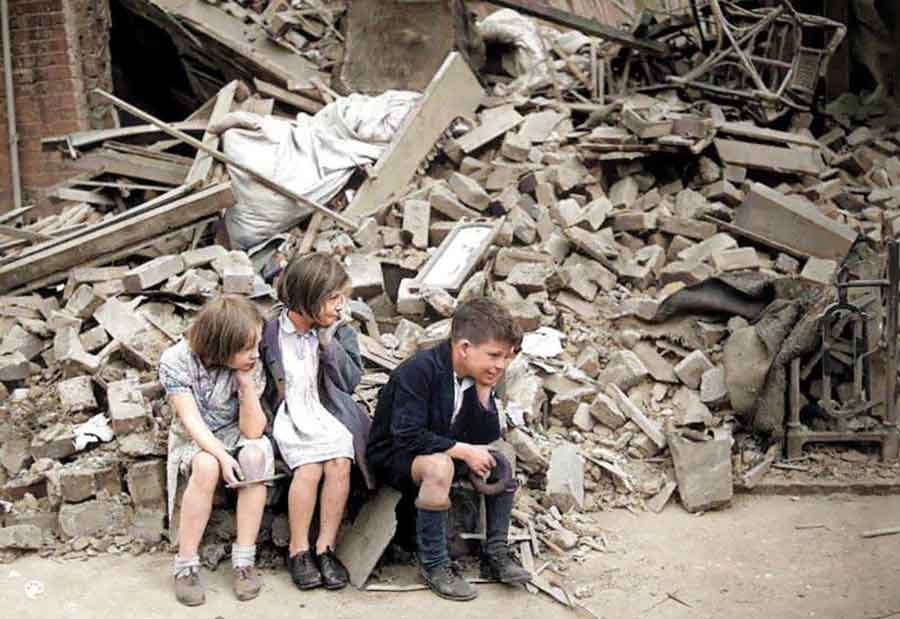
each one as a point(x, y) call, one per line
point(224, 327)
point(481, 319)
point(308, 280)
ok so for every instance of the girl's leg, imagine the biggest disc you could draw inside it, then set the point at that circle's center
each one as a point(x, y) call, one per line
point(251, 499)
point(301, 505)
point(196, 505)
point(334, 499)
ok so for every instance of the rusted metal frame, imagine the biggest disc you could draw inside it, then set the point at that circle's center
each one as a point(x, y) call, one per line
point(726, 28)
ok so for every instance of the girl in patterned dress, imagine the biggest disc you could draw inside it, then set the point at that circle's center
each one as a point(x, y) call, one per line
point(214, 381)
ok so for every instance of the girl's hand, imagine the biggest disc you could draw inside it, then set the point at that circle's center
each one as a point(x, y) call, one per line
point(231, 470)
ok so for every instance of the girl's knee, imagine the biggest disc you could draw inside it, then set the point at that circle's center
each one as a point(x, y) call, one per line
point(309, 473)
point(205, 470)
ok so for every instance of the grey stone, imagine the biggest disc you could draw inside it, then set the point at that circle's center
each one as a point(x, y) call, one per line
point(746, 361)
point(565, 478)
point(703, 472)
point(128, 410)
point(713, 389)
point(371, 533)
point(624, 369)
point(96, 517)
point(690, 370)
point(606, 412)
point(21, 537)
point(77, 394)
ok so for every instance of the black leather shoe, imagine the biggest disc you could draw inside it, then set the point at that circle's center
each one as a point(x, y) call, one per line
point(334, 574)
point(304, 570)
point(503, 567)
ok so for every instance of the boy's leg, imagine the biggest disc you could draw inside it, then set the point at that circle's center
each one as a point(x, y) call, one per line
point(196, 506)
point(301, 505)
point(335, 490)
point(496, 556)
point(434, 475)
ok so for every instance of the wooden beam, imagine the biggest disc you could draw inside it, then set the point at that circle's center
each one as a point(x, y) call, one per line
point(22, 233)
point(453, 92)
point(287, 97)
point(203, 161)
point(123, 234)
point(83, 139)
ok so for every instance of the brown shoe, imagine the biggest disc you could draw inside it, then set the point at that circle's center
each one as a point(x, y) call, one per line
point(246, 583)
point(188, 588)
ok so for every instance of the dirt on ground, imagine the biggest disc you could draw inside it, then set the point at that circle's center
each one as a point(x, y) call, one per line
point(784, 557)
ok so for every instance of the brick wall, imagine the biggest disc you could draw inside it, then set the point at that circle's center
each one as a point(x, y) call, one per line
point(50, 82)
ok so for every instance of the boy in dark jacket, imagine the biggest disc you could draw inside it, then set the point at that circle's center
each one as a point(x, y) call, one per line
point(434, 418)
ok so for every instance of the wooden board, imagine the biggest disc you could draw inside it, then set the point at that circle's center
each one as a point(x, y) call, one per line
point(203, 161)
point(83, 139)
point(746, 130)
point(132, 230)
point(494, 123)
point(132, 166)
point(453, 92)
point(287, 97)
point(771, 158)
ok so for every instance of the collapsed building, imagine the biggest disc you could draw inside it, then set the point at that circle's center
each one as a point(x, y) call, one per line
point(694, 240)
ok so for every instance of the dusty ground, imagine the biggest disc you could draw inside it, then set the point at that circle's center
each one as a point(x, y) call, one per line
point(748, 561)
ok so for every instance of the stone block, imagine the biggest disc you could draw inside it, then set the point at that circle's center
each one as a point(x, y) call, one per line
point(689, 409)
point(77, 394)
point(565, 478)
point(689, 228)
point(366, 276)
point(705, 249)
point(819, 271)
point(566, 213)
point(529, 277)
point(14, 367)
point(20, 340)
point(634, 221)
point(787, 264)
point(77, 483)
point(606, 412)
point(417, 221)
point(703, 472)
point(469, 191)
point(15, 454)
point(147, 482)
point(409, 300)
point(624, 192)
point(95, 517)
point(54, 442)
point(658, 367)
point(746, 361)
point(690, 370)
point(528, 455)
point(736, 259)
point(444, 201)
point(128, 411)
point(713, 390)
point(152, 273)
point(515, 147)
point(371, 533)
point(582, 418)
point(21, 537)
point(148, 525)
point(635, 414)
point(202, 256)
point(624, 369)
point(565, 404)
point(83, 302)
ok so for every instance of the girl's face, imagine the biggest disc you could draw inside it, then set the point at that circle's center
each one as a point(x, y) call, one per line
point(245, 360)
point(331, 309)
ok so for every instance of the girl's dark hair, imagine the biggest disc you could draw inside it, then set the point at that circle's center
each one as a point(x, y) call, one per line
point(307, 281)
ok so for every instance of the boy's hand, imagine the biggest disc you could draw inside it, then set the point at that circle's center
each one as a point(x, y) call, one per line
point(479, 460)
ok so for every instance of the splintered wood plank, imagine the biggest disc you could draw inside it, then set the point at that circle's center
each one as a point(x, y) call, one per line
point(132, 166)
point(494, 123)
point(453, 92)
point(203, 161)
point(747, 130)
point(130, 231)
point(287, 97)
point(83, 139)
point(79, 195)
point(771, 158)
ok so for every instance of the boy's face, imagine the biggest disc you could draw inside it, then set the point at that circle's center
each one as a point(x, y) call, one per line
point(245, 360)
point(487, 361)
point(331, 309)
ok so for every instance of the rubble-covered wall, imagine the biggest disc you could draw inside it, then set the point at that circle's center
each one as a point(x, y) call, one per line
point(51, 73)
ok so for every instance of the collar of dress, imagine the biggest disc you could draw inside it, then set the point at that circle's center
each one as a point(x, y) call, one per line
point(288, 327)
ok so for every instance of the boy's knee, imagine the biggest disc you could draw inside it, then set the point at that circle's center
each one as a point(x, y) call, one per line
point(436, 469)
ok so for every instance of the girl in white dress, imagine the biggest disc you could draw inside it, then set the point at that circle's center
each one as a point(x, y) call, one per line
point(313, 441)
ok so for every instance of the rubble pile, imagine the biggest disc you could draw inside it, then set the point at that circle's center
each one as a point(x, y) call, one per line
point(635, 240)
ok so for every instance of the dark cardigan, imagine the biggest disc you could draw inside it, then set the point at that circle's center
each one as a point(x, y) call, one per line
point(340, 370)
